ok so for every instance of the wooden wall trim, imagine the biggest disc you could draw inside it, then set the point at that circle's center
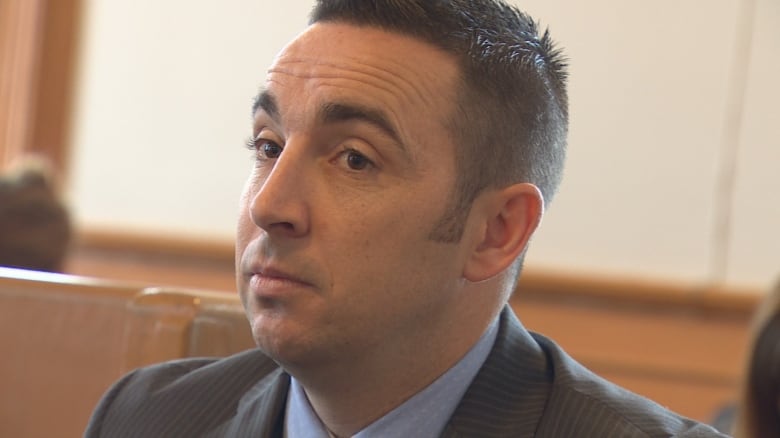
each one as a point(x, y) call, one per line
point(20, 25)
point(541, 284)
point(55, 88)
point(156, 245)
point(38, 56)
point(537, 284)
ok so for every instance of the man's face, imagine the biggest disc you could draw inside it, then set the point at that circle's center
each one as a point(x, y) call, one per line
point(354, 168)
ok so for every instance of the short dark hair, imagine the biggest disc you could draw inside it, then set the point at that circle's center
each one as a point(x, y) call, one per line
point(511, 117)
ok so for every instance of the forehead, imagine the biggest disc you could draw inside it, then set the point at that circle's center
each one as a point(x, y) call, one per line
point(402, 76)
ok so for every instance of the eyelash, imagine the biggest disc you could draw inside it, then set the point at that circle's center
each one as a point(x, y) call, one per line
point(252, 144)
point(347, 150)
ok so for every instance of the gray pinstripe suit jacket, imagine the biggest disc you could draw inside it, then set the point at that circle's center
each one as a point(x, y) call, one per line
point(528, 387)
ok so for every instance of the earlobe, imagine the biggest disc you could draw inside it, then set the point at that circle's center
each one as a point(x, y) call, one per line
point(510, 216)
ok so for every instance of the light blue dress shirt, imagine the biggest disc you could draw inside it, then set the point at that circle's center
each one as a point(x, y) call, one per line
point(424, 415)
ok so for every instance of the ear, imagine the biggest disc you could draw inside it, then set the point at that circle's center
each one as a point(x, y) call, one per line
point(508, 217)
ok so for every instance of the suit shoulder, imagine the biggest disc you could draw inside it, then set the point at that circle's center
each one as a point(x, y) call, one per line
point(182, 375)
point(584, 404)
point(208, 389)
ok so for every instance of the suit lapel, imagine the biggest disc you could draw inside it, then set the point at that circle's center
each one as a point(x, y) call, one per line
point(261, 411)
point(506, 398)
point(510, 391)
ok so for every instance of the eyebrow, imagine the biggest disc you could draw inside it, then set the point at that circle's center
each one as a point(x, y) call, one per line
point(333, 112)
point(267, 102)
point(341, 112)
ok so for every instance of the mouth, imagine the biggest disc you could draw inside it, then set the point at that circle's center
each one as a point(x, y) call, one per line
point(270, 283)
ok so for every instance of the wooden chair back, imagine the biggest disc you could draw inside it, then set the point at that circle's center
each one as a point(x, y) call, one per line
point(66, 339)
point(62, 342)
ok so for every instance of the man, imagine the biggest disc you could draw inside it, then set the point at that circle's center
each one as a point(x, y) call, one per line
point(404, 153)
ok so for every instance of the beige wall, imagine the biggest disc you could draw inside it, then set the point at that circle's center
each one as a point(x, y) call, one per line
point(666, 97)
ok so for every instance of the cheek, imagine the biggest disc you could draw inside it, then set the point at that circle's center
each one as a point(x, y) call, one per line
point(245, 228)
point(384, 245)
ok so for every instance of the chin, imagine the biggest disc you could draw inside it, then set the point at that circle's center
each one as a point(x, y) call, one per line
point(282, 340)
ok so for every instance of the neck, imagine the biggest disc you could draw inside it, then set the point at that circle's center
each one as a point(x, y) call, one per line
point(349, 395)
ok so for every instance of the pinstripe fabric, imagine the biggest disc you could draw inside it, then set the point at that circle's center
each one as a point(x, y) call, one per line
point(240, 396)
point(528, 387)
point(509, 394)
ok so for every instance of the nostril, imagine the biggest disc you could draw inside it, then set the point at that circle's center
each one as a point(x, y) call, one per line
point(288, 226)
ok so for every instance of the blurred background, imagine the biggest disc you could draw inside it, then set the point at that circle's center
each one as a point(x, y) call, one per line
point(647, 267)
point(673, 148)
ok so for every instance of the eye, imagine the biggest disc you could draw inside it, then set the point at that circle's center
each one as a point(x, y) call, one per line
point(269, 149)
point(264, 149)
point(355, 160)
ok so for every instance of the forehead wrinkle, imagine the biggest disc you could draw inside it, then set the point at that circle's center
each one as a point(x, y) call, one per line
point(412, 84)
point(420, 91)
point(378, 85)
point(334, 77)
point(380, 76)
point(331, 80)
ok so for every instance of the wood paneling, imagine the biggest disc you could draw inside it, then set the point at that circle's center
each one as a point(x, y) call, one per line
point(67, 339)
point(154, 260)
point(682, 345)
point(20, 24)
point(56, 80)
point(38, 54)
point(679, 356)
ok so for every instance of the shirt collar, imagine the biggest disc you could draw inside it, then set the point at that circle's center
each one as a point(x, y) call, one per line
point(425, 414)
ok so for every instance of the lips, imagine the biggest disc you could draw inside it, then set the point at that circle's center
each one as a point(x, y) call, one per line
point(277, 275)
point(271, 282)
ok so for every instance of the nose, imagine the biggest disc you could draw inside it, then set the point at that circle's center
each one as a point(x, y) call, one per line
point(279, 198)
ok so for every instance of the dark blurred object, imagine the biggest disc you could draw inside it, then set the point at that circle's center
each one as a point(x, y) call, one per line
point(35, 226)
point(758, 413)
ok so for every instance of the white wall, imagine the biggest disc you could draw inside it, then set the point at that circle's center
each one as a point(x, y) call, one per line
point(163, 109)
point(755, 235)
point(662, 95)
point(652, 89)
